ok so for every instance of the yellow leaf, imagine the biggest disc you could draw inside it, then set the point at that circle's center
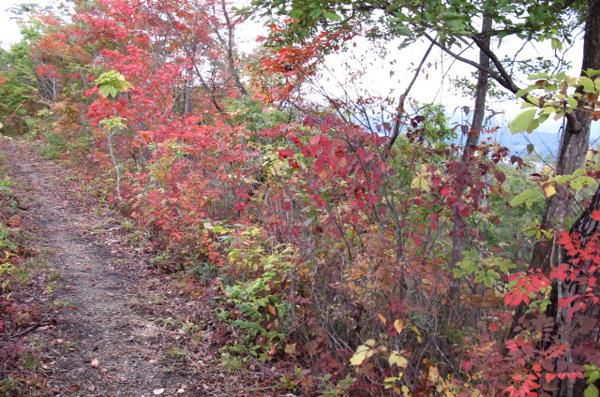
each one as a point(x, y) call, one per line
point(417, 332)
point(396, 359)
point(362, 352)
point(405, 391)
point(381, 319)
point(398, 325)
point(421, 182)
point(549, 191)
point(433, 375)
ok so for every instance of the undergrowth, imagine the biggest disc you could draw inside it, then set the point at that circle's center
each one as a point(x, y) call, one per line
point(20, 371)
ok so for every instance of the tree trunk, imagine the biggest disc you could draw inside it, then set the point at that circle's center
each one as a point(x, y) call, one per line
point(229, 48)
point(584, 227)
point(458, 221)
point(573, 147)
point(480, 90)
point(187, 93)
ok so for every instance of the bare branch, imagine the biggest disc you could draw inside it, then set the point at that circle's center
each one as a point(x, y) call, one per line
point(402, 99)
point(230, 45)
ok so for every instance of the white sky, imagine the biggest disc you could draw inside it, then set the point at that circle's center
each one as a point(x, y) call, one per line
point(436, 87)
point(376, 79)
point(9, 31)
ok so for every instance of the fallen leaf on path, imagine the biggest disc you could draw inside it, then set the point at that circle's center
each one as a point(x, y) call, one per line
point(158, 392)
point(290, 348)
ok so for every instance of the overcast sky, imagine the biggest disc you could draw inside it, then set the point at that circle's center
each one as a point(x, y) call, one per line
point(376, 78)
point(9, 31)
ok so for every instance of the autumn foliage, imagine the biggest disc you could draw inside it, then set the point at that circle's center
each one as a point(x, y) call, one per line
point(324, 249)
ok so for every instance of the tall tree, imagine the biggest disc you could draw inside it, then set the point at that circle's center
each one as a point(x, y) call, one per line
point(574, 144)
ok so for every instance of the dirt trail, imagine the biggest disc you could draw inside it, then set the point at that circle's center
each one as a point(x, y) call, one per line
point(107, 338)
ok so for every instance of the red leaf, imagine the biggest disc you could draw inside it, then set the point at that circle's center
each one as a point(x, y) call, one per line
point(500, 176)
point(445, 191)
point(466, 365)
point(285, 153)
point(564, 302)
point(465, 212)
point(560, 272)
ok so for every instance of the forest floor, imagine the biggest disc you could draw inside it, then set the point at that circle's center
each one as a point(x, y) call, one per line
point(113, 325)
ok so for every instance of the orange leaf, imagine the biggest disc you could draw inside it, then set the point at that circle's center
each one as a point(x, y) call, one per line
point(398, 325)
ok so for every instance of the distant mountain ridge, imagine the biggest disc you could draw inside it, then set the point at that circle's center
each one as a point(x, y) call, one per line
point(545, 143)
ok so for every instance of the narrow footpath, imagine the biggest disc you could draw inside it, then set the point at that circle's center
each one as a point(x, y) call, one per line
point(117, 327)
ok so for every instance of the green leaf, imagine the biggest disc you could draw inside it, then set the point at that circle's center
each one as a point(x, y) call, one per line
point(588, 84)
point(104, 91)
point(592, 72)
point(522, 92)
point(297, 13)
point(315, 13)
point(541, 119)
point(593, 377)
point(535, 102)
point(527, 197)
point(556, 44)
point(332, 16)
point(527, 105)
point(590, 391)
point(111, 83)
point(404, 31)
point(581, 182)
point(548, 110)
point(523, 121)
point(539, 76)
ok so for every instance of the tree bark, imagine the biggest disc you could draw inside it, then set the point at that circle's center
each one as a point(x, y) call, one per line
point(481, 90)
point(229, 46)
point(584, 227)
point(187, 93)
point(573, 147)
point(458, 221)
